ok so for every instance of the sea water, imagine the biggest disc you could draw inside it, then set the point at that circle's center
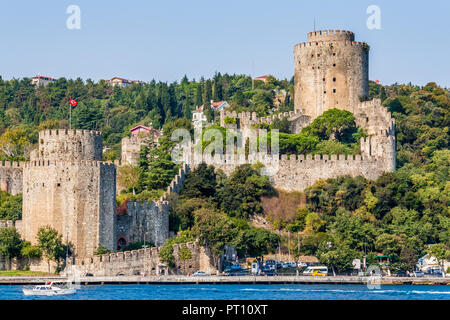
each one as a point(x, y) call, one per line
point(241, 292)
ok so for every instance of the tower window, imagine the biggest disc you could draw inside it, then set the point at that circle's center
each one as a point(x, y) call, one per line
point(312, 56)
point(334, 90)
point(323, 79)
point(334, 54)
point(334, 64)
point(324, 92)
point(334, 79)
point(58, 185)
point(318, 54)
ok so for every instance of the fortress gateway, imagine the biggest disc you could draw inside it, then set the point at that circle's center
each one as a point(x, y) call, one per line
point(67, 185)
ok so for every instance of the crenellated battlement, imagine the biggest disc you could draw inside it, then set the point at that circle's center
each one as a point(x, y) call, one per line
point(176, 184)
point(247, 119)
point(68, 132)
point(137, 206)
point(331, 35)
point(6, 224)
point(146, 261)
point(61, 164)
point(12, 164)
point(326, 44)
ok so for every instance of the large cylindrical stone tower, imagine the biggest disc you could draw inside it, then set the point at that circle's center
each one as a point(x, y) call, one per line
point(70, 145)
point(331, 71)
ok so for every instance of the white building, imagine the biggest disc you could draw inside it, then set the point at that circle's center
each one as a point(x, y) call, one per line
point(199, 118)
point(116, 81)
point(41, 80)
point(429, 263)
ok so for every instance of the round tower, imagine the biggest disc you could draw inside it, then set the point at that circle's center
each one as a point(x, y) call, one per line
point(331, 71)
point(70, 145)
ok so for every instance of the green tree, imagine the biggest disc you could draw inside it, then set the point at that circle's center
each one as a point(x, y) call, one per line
point(128, 177)
point(51, 244)
point(30, 251)
point(101, 249)
point(10, 206)
point(10, 243)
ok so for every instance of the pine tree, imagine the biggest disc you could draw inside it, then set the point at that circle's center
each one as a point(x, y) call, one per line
point(198, 96)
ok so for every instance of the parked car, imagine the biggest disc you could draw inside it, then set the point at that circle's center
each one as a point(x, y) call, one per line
point(268, 272)
point(292, 265)
point(402, 274)
point(270, 262)
point(302, 265)
point(270, 266)
point(236, 267)
point(420, 274)
point(200, 274)
point(279, 265)
point(242, 272)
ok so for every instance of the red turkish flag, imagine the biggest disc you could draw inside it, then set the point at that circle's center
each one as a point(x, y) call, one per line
point(73, 103)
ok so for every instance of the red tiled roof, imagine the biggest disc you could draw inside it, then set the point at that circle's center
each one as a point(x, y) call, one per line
point(217, 104)
point(43, 77)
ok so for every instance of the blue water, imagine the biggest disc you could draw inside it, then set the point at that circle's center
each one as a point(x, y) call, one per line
point(242, 292)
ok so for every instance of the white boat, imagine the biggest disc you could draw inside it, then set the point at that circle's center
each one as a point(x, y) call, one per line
point(49, 289)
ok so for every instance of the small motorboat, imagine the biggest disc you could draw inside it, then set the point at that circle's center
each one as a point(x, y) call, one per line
point(49, 289)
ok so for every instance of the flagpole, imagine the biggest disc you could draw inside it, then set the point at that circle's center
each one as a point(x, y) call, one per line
point(70, 115)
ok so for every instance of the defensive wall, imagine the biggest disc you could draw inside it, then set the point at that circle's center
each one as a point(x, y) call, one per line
point(137, 262)
point(149, 220)
point(11, 176)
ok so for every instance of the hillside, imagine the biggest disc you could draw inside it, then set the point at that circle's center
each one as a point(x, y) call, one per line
point(398, 215)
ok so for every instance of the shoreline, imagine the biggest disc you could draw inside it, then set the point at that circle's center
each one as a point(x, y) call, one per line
point(214, 280)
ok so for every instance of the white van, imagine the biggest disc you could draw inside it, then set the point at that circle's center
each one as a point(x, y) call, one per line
point(310, 270)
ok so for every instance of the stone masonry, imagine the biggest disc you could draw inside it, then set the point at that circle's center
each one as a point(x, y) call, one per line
point(11, 177)
point(147, 261)
point(149, 221)
point(70, 189)
point(331, 71)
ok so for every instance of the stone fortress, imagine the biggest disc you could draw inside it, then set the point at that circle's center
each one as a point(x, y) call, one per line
point(67, 185)
point(331, 71)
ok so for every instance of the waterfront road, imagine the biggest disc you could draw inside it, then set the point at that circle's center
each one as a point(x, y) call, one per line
point(229, 280)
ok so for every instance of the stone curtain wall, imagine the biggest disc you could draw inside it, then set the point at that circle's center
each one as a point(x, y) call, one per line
point(247, 120)
point(11, 176)
point(297, 172)
point(149, 221)
point(136, 262)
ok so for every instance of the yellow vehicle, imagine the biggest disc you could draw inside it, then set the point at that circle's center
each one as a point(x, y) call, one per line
point(316, 271)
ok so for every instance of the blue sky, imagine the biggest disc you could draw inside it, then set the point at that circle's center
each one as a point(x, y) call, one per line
point(165, 39)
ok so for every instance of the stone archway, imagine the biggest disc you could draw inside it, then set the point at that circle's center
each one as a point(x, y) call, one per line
point(122, 242)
